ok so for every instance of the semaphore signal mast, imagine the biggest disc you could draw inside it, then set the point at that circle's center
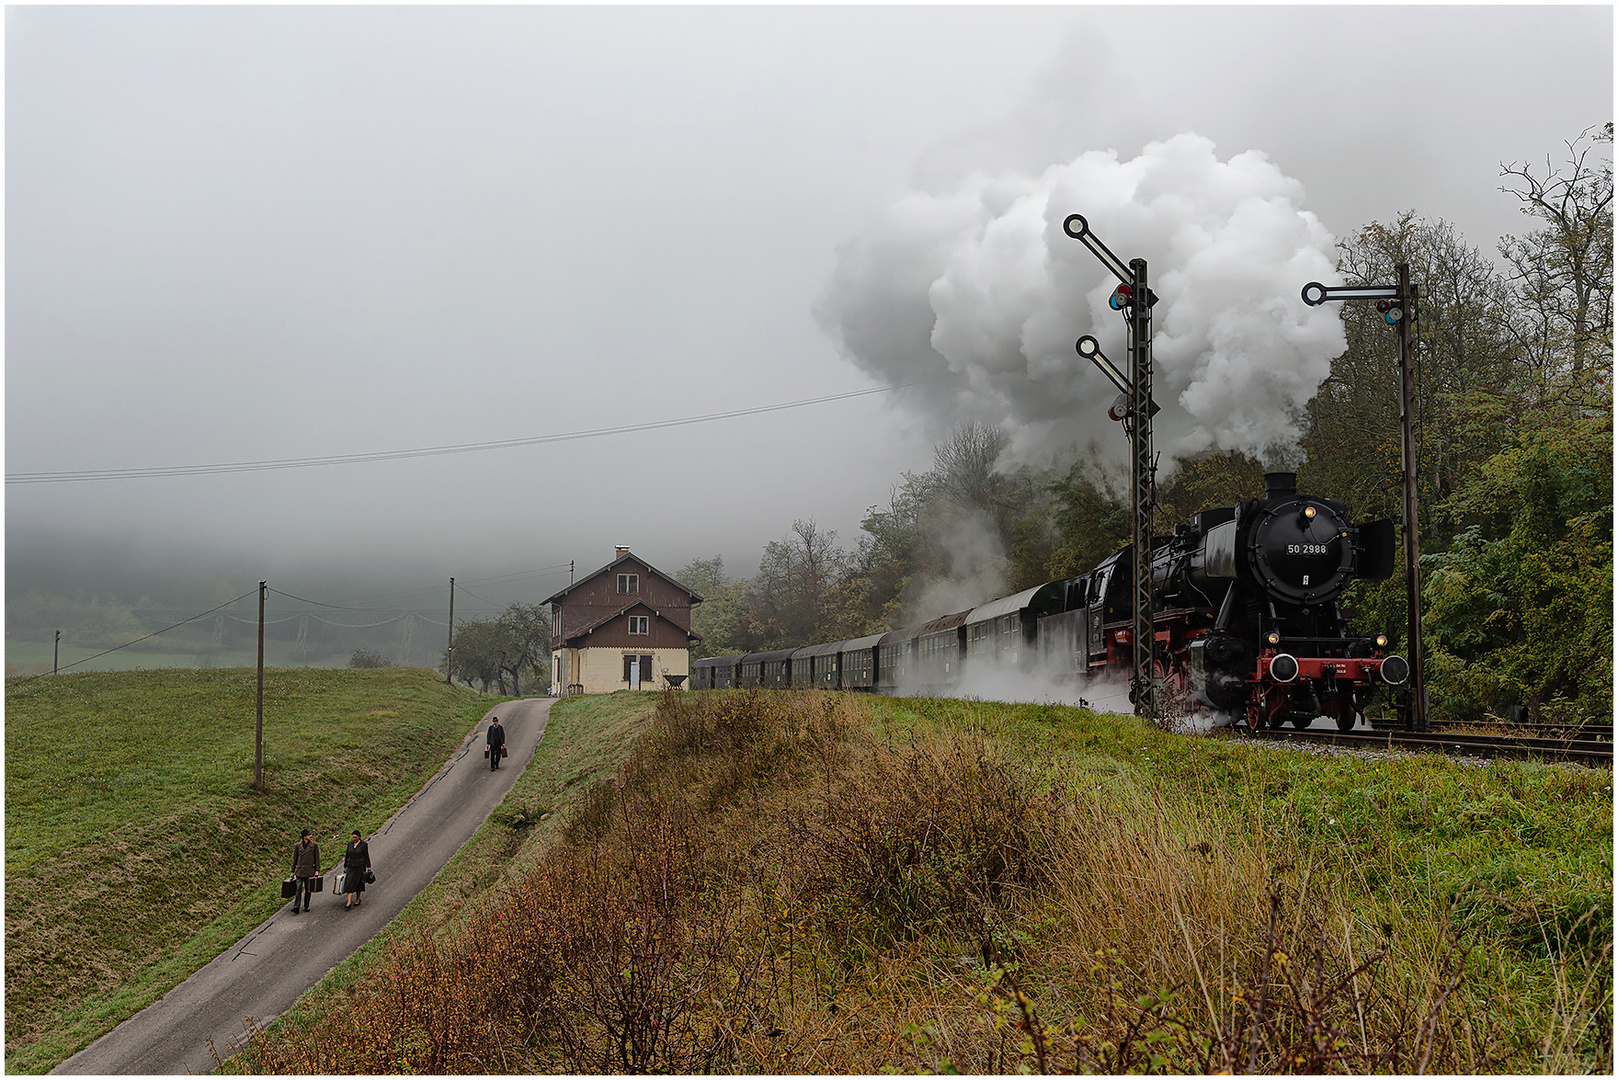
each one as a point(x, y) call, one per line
point(1135, 409)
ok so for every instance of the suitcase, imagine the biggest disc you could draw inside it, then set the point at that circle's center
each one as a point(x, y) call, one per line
point(485, 751)
point(289, 889)
point(337, 884)
point(317, 884)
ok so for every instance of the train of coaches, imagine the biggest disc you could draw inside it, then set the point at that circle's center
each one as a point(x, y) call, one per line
point(1246, 618)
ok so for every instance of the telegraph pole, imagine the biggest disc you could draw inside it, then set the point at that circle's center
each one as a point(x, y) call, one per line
point(1397, 306)
point(258, 729)
point(56, 654)
point(449, 649)
point(1135, 408)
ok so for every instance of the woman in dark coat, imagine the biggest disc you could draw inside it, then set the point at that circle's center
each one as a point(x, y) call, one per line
point(356, 861)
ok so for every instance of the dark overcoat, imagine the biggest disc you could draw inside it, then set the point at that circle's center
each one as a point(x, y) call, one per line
point(306, 859)
point(356, 860)
point(497, 735)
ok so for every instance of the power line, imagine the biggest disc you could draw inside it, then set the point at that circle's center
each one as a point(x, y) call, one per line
point(74, 476)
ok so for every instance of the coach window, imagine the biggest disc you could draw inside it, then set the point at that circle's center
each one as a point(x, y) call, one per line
point(629, 583)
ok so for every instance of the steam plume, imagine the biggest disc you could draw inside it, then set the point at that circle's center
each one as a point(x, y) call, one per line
point(978, 289)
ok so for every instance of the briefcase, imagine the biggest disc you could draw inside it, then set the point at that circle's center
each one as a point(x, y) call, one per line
point(289, 889)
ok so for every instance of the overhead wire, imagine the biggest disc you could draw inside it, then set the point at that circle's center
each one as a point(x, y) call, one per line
point(138, 473)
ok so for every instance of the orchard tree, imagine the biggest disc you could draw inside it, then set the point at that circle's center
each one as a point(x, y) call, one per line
point(494, 650)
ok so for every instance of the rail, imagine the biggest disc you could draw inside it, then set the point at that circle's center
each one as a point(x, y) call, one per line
point(1463, 744)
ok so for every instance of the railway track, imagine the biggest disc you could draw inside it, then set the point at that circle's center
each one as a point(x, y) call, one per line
point(1584, 732)
point(1586, 751)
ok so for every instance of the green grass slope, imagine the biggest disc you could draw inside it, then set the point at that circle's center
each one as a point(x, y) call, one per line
point(136, 846)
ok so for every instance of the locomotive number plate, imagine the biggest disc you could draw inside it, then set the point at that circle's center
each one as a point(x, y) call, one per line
point(1306, 549)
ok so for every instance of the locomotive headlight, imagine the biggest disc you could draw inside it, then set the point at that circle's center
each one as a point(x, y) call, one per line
point(1382, 641)
point(1309, 512)
point(1273, 638)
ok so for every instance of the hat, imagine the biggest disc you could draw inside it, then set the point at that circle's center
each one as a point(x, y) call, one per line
point(304, 833)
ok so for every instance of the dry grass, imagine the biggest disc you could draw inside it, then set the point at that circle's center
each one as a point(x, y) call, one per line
point(766, 886)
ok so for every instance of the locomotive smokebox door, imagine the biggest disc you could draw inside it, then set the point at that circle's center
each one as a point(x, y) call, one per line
point(1302, 550)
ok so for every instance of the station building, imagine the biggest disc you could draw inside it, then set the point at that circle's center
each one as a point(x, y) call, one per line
point(626, 626)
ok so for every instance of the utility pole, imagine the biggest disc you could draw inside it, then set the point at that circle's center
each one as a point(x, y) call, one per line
point(1135, 408)
point(449, 649)
point(258, 730)
point(56, 655)
point(1397, 306)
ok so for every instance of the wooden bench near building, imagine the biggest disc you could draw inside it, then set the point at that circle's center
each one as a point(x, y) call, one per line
point(626, 626)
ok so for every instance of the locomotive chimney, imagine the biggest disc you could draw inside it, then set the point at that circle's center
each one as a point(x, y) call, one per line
point(1279, 485)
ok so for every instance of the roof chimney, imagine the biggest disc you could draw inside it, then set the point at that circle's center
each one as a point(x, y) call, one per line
point(621, 550)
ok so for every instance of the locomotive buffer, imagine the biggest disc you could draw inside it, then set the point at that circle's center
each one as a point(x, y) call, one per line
point(1135, 408)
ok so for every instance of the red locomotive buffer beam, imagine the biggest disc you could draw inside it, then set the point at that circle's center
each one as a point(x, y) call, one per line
point(1296, 688)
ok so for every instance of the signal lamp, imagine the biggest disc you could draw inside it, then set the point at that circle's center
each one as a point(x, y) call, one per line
point(1393, 316)
point(1120, 296)
point(1382, 307)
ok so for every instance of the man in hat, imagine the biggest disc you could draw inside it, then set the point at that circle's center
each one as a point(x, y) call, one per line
point(305, 865)
point(497, 741)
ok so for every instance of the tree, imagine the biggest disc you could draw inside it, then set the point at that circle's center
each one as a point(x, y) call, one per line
point(364, 658)
point(791, 599)
point(1093, 518)
point(1466, 367)
point(491, 650)
point(1562, 273)
point(526, 629)
point(477, 654)
point(704, 576)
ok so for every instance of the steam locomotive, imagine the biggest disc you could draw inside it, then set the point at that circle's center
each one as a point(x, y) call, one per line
point(1246, 622)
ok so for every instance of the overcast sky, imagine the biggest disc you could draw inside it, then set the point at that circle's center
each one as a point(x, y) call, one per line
point(244, 234)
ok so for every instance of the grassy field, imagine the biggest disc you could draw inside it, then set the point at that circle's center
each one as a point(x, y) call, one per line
point(811, 883)
point(123, 790)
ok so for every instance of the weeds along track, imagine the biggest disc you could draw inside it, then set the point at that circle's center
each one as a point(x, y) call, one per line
point(807, 882)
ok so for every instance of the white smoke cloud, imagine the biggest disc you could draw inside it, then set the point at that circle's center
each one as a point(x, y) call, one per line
point(978, 289)
point(977, 570)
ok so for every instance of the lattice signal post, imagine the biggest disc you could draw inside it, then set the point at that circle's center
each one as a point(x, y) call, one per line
point(1135, 409)
point(1397, 306)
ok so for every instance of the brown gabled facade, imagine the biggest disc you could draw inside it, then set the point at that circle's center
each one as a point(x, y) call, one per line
point(627, 624)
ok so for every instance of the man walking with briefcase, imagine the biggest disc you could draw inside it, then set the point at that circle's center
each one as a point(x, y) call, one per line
point(497, 742)
point(305, 865)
